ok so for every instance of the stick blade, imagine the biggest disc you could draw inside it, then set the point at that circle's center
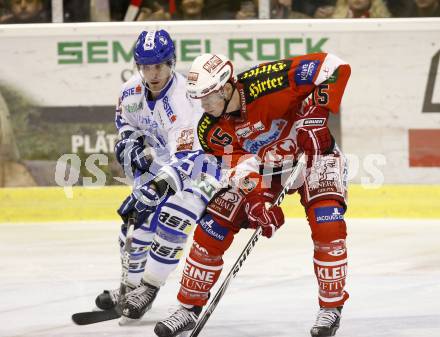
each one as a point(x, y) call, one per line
point(91, 317)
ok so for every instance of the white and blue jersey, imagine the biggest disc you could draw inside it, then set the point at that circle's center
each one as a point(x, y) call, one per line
point(167, 123)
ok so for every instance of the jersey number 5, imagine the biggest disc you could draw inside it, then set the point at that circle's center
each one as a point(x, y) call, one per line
point(221, 138)
point(322, 94)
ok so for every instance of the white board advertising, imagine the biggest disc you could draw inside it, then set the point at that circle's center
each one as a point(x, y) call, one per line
point(73, 73)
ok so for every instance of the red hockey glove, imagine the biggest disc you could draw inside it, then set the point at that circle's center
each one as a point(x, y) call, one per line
point(315, 141)
point(258, 215)
point(313, 135)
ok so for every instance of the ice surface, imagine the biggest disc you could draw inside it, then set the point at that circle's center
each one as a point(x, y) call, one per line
point(50, 271)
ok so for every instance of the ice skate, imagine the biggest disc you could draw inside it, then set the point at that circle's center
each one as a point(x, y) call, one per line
point(137, 303)
point(181, 321)
point(327, 322)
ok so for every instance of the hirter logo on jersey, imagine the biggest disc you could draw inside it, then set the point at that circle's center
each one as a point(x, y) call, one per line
point(306, 72)
point(264, 80)
point(267, 68)
point(212, 64)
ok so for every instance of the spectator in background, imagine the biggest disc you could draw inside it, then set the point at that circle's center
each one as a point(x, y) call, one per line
point(2, 8)
point(190, 10)
point(220, 9)
point(425, 8)
point(361, 9)
point(399, 8)
point(76, 10)
point(118, 8)
point(154, 10)
point(324, 9)
point(282, 9)
point(26, 11)
point(310, 7)
point(4, 13)
point(248, 10)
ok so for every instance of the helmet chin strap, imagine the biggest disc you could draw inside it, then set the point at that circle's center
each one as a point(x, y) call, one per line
point(227, 101)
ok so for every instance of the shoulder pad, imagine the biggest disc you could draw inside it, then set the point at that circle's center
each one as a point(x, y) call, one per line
point(265, 70)
point(265, 79)
point(133, 87)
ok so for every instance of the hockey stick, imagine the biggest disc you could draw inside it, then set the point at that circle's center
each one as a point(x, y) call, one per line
point(246, 251)
point(126, 257)
point(91, 317)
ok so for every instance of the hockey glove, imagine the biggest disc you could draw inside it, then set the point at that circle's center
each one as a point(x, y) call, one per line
point(130, 154)
point(270, 219)
point(139, 204)
point(313, 134)
point(315, 141)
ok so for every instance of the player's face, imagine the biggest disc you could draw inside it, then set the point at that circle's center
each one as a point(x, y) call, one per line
point(214, 103)
point(155, 75)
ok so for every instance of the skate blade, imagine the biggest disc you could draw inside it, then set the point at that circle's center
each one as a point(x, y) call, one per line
point(125, 321)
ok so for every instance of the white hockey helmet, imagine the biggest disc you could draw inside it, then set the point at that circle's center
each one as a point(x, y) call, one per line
point(208, 73)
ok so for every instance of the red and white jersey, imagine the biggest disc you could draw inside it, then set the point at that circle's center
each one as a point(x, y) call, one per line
point(277, 98)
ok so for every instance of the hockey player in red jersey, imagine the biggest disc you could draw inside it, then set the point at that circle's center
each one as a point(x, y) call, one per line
point(273, 113)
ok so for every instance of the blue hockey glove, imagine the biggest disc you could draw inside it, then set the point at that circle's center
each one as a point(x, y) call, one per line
point(139, 204)
point(130, 153)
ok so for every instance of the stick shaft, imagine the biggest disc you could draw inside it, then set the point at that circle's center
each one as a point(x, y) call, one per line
point(246, 251)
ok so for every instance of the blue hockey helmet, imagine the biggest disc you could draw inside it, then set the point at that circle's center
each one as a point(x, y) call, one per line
point(154, 47)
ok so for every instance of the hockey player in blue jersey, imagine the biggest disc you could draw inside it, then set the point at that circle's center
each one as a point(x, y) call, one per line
point(154, 113)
